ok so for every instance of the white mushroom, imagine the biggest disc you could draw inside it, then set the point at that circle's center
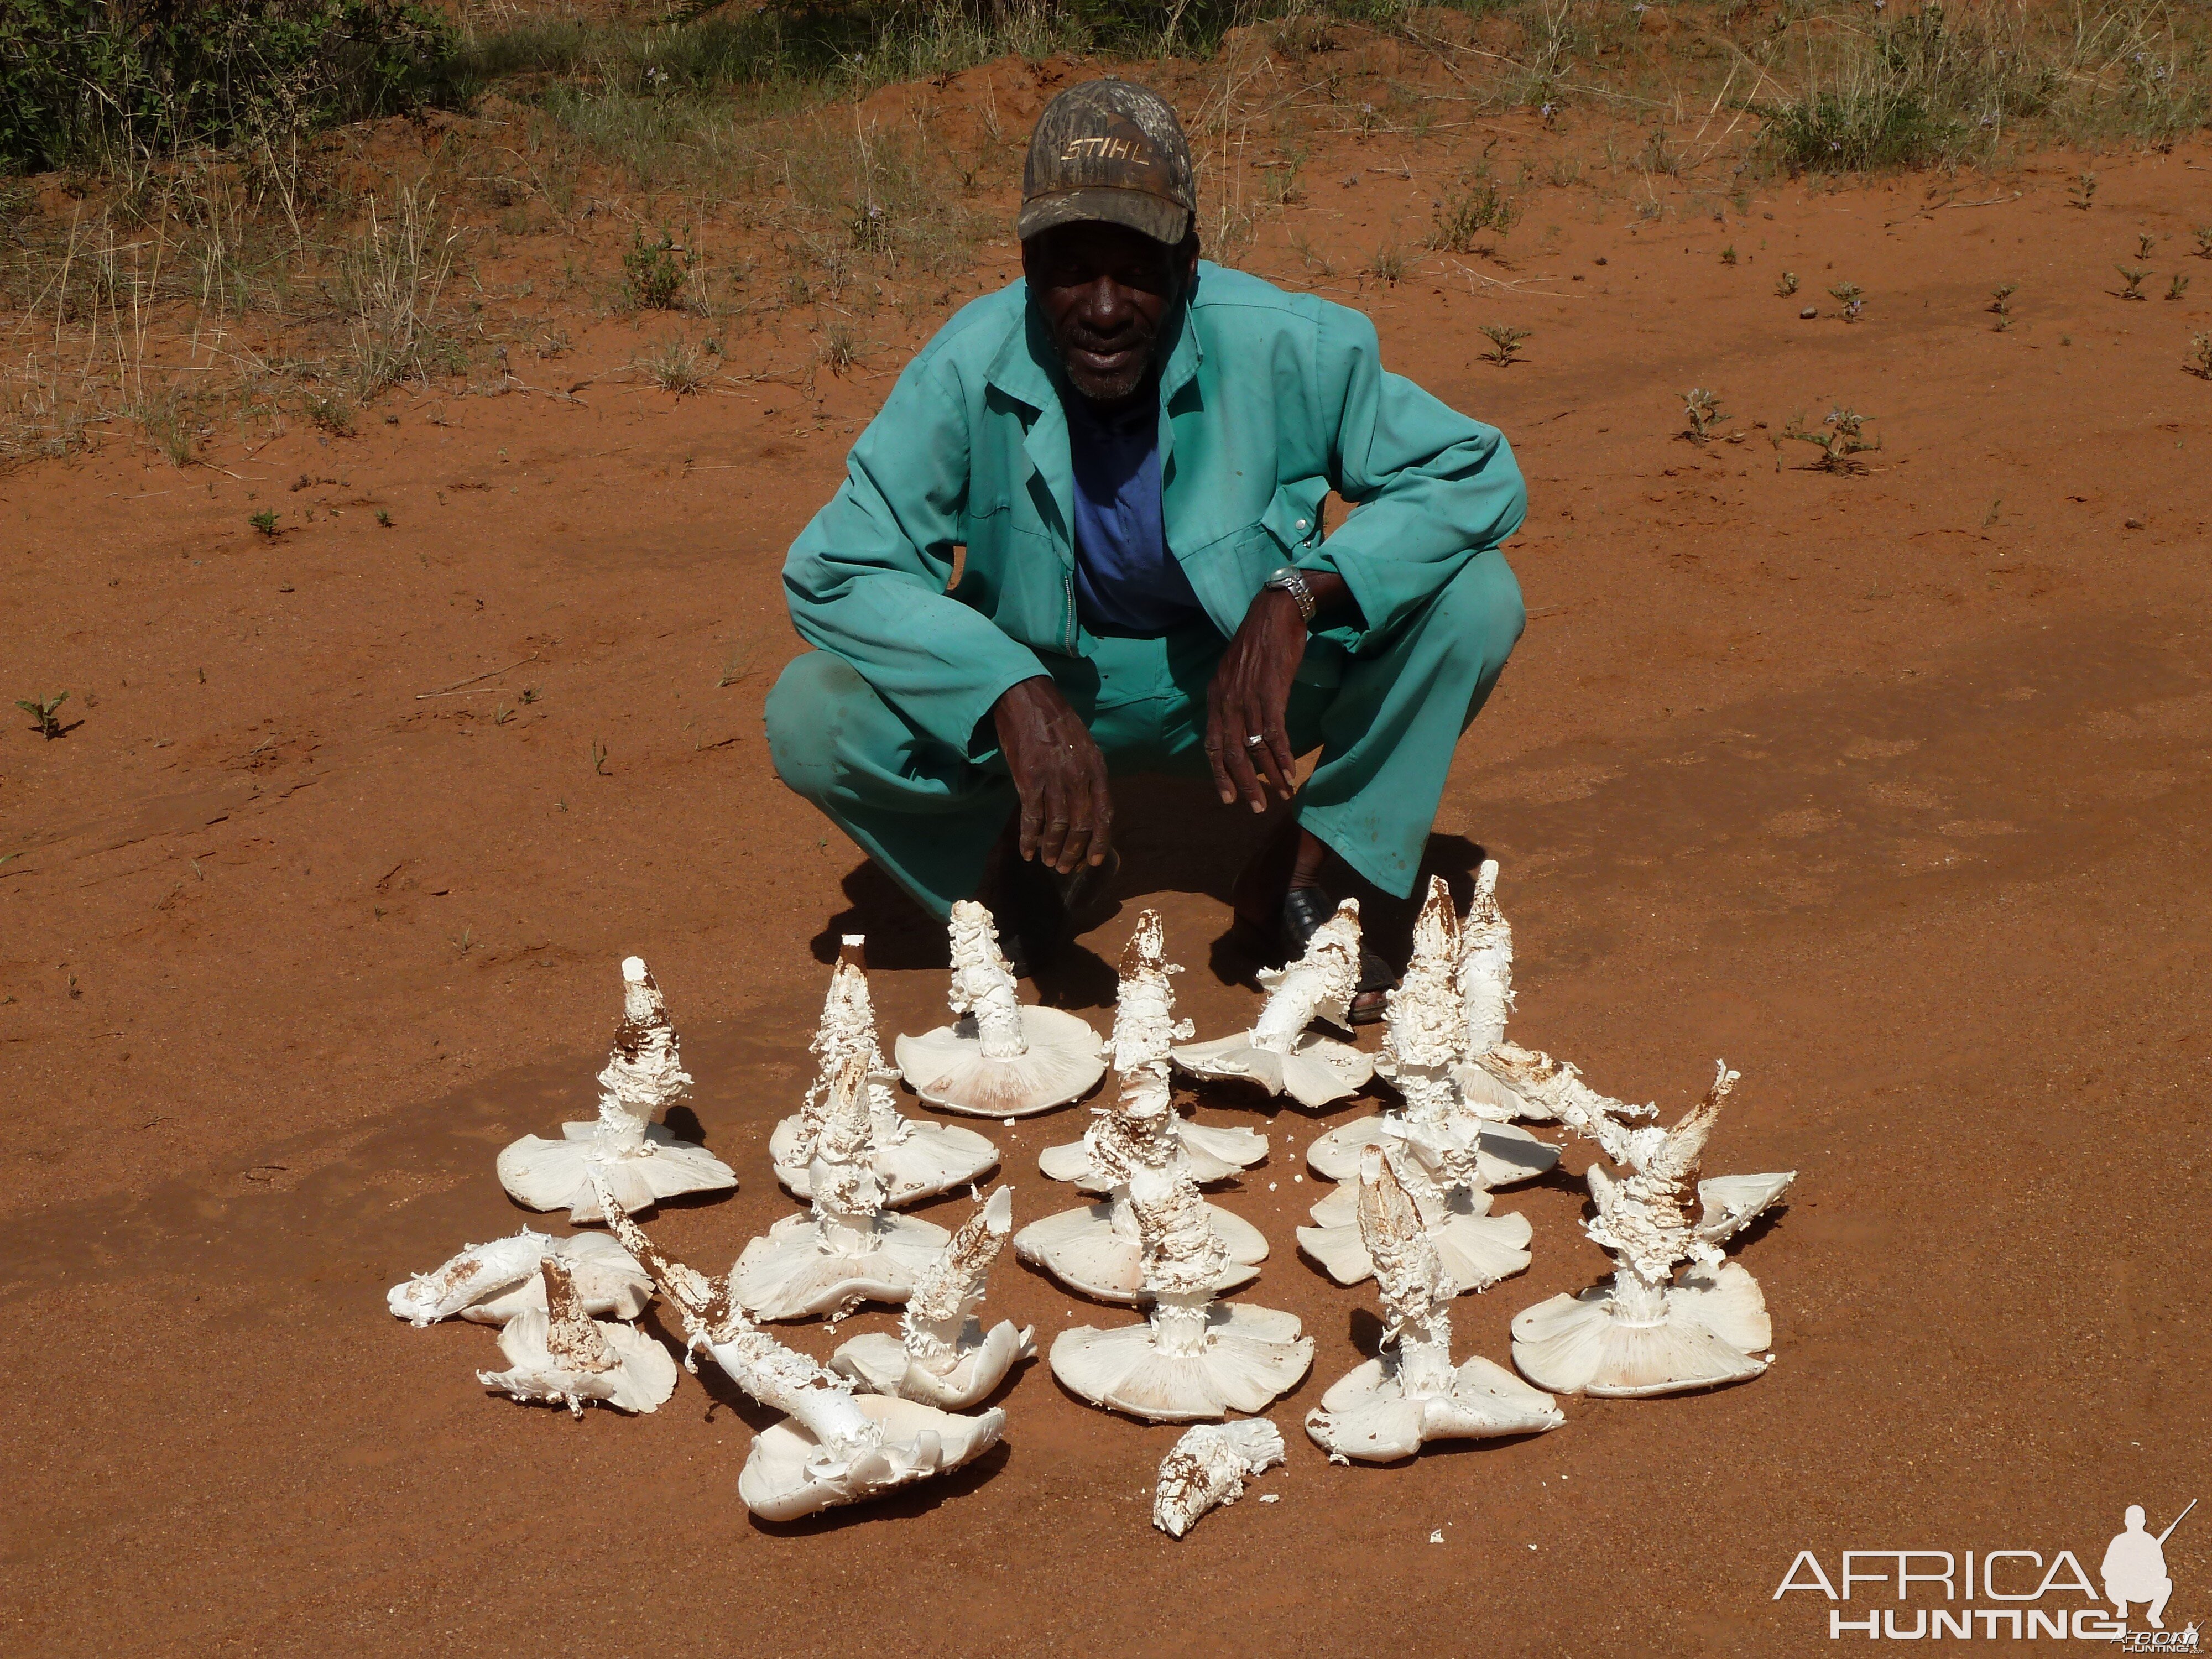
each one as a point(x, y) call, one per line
point(560, 1355)
point(847, 1248)
point(942, 1355)
point(914, 1158)
point(1279, 1052)
point(641, 1160)
point(1097, 1248)
point(1411, 1393)
point(831, 1447)
point(1647, 1332)
point(1208, 1468)
point(1194, 1358)
point(1145, 1028)
point(1433, 1144)
point(491, 1283)
point(1467, 974)
point(998, 1059)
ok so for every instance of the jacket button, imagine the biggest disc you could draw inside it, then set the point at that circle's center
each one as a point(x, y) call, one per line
point(1302, 524)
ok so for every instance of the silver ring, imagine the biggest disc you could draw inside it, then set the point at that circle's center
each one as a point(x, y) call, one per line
point(1254, 741)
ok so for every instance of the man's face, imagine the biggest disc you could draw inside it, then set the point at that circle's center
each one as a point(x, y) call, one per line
point(1103, 289)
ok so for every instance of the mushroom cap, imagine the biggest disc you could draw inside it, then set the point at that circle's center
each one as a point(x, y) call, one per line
point(800, 1269)
point(1729, 1204)
point(551, 1174)
point(1506, 1155)
point(491, 1283)
point(1476, 1248)
point(643, 1375)
point(1084, 1250)
point(1576, 1344)
point(1209, 1154)
point(1063, 1059)
point(784, 1477)
point(1252, 1356)
point(928, 1159)
point(1316, 1073)
point(879, 1361)
point(1366, 1416)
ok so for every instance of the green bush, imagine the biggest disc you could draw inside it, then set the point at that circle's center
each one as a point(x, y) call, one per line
point(81, 80)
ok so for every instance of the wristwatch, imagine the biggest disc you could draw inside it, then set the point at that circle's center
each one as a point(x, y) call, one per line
point(1292, 581)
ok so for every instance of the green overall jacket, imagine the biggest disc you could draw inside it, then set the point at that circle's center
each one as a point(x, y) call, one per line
point(1268, 400)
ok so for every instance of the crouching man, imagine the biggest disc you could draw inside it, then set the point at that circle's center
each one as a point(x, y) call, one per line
point(1134, 448)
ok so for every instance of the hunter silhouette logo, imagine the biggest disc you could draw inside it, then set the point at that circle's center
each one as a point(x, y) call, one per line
point(2004, 1595)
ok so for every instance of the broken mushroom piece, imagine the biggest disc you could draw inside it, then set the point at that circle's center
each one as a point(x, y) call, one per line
point(832, 1447)
point(560, 1355)
point(1411, 1393)
point(491, 1283)
point(1208, 1468)
point(999, 1058)
point(1647, 1332)
point(1193, 1358)
point(846, 1248)
point(943, 1357)
point(1145, 1028)
point(913, 1159)
point(1279, 1052)
point(1433, 1144)
point(642, 1161)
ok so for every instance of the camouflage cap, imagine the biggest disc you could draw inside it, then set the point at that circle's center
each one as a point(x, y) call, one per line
point(1108, 150)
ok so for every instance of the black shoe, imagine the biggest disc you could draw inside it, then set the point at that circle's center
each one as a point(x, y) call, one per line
point(1304, 909)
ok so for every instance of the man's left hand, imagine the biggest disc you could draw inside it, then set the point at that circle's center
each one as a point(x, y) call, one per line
point(1250, 694)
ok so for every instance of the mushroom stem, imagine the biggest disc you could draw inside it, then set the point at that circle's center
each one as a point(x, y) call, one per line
point(1485, 969)
point(847, 1193)
point(1320, 984)
point(949, 1288)
point(983, 982)
point(780, 1378)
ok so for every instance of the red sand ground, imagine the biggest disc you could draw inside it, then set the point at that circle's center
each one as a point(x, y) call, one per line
point(1893, 788)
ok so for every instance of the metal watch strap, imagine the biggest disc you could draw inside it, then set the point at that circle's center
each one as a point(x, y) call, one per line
point(1292, 581)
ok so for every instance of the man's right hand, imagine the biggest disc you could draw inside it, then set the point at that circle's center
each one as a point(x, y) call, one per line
point(1067, 814)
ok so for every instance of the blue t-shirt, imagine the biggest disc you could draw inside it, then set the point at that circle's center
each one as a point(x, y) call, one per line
point(1127, 582)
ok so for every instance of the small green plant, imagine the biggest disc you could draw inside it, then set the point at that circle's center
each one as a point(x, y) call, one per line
point(1504, 343)
point(2001, 303)
point(1482, 206)
point(1840, 435)
point(1728, 254)
point(45, 713)
point(464, 941)
point(733, 670)
point(1388, 264)
point(531, 694)
point(2203, 235)
point(1996, 506)
point(332, 412)
point(654, 272)
point(677, 366)
point(2177, 286)
point(598, 758)
point(2146, 244)
point(264, 521)
point(501, 714)
point(384, 517)
point(2133, 276)
point(1785, 285)
point(1848, 296)
point(2200, 361)
point(2083, 190)
point(838, 349)
point(1701, 409)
